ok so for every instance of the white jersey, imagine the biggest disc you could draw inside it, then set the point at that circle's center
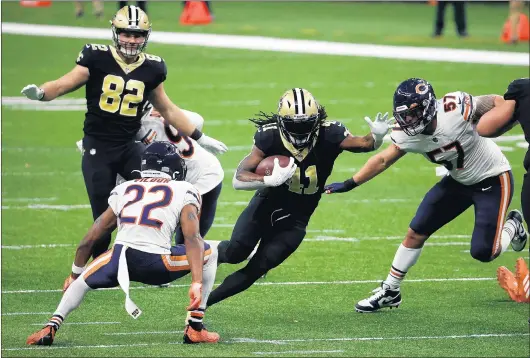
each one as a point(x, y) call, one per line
point(204, 169)
point(455, 143)
point(148, 211)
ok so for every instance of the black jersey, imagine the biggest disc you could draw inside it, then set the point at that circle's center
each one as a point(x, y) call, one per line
point(306, 186)
point(519, 90)
point(116, 91)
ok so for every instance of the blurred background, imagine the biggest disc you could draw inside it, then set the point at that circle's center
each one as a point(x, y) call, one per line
point(351, 56)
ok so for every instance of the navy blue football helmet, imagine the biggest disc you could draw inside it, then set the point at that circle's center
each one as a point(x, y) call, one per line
point(414, 105)
point(163, 157)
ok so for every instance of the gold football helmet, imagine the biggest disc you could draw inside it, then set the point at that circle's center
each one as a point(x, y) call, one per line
point(130, 19)
point(298, 117)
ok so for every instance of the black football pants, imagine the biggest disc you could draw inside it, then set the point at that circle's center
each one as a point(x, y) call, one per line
point(280, 232)
point(102, 161)
point(525, 198)
point(206, 215)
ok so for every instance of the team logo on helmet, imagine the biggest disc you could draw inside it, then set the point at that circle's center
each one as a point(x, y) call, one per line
point(422, 88)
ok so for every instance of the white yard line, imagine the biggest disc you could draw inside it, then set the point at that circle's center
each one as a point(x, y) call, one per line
point(318, 238)
point(295, 283)
point(106, 346)
point(262, 43)
point(38, 246)
point(26, 313)
point(361, 339)
point(299, 352)
point(27, 200)
point(77, 323)
point(278, 342)
point(282, 341)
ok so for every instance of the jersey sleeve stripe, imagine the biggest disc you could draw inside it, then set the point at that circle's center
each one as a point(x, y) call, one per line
point(504, 203)
point(467, 108)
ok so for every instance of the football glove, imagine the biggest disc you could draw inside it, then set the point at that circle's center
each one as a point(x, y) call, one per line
point(212, 145)
point(33, 92)
point(79, 145)
point(379, 127)
point(68, 282)
point(340, 187)
point(279, 174)
point(195, 294)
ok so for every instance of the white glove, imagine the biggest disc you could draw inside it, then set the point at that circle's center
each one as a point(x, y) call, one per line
point(33, 92)
point(279, 174)
point(379, 127)
point(79, 145)
point(212, 145)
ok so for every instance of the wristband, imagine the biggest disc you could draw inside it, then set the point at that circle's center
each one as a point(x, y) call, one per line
point(77, 270)
point(196, 134)
point(350, 184)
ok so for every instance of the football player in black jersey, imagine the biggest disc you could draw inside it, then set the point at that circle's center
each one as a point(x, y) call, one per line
point(278, 214)
point(119, 80)
point(515, 109)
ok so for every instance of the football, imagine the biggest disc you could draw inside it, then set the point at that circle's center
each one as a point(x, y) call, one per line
point(266, 165)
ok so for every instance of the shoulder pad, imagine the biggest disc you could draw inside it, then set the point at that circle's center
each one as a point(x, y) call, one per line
point(458, 103)
point(160, 67)
point(334, 131)
point(518, 89)
point(153, 58)
point(88, 52)
point(264, 137)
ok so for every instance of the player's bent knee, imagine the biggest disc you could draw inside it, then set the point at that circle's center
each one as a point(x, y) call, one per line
point(482, 254)
point(231, 253)
point(414, 240)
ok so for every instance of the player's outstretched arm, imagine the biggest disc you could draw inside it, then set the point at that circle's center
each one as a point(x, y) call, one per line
point(53, 89)
point(194, 243)
point(373, 140)
point(373, 167)
point(498, 120)
point(178, 119)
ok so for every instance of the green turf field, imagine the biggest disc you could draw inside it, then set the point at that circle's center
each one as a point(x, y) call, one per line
point(452, 304)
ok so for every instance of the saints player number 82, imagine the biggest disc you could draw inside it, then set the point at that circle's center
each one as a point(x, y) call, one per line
point(111, 98)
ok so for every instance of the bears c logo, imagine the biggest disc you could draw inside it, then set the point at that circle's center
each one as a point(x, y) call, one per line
point(421, 88)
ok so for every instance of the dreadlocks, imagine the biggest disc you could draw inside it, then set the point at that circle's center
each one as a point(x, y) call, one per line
point(264, 118)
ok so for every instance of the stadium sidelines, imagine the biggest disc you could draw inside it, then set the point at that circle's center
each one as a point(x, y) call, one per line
point(283, 341)
point(262, 43)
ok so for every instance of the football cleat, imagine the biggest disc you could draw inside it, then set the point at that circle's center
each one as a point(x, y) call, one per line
point(521, 236)
point(44, 337)
point(507, 281)
point(382, 297)
point(522, 276)
point(192, 336)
